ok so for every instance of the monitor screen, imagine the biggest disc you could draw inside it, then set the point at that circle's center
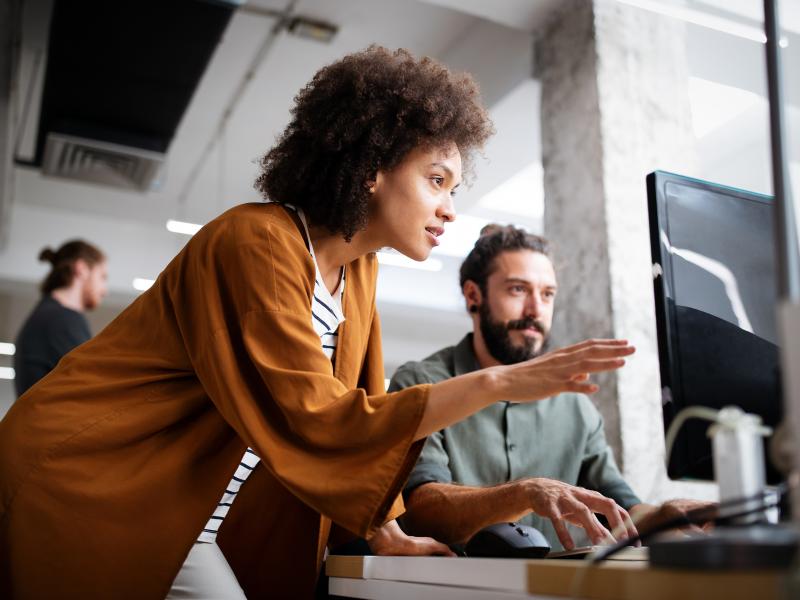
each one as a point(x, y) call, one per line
point(715, 288)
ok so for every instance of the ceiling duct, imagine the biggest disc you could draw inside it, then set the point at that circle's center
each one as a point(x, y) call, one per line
point(101, 162)
point(119, 78)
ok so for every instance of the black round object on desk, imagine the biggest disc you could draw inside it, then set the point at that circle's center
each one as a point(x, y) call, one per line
point(508, 540)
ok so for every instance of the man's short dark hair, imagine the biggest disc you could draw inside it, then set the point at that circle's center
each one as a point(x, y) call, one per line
point(362, 114)
point(494, 240)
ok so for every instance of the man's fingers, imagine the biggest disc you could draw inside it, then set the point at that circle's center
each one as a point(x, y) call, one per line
point(594, 528)
point(630, 527)
point(618, 518)
point(562, 532)
point(621, 524)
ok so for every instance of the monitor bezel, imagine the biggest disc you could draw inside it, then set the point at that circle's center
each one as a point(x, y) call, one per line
point(668, 350)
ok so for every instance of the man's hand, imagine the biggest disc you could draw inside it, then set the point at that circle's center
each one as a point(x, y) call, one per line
point(390, 540)
point(562, 503)
point(648, 516)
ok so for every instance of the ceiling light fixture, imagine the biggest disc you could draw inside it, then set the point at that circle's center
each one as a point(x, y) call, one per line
point(394, 259)
point(312, 29)
point(142, 284)
point(7, 349)
point(7, 373)
point(182, 227)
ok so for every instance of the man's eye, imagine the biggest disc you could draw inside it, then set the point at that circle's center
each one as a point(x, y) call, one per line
point(437, 180)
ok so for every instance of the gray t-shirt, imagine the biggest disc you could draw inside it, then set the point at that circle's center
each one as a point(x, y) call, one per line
point(559, 438)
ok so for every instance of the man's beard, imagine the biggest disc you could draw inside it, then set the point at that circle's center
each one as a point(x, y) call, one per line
point(498, 340)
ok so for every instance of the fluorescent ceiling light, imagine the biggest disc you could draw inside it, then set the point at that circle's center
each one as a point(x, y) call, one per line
point(715, 104)
point(6, 373)
point(394, 259)
point(460, 235)
point(703, 19)
point(521, 194)
point(142, 284)
point(183, 227)
point(6, 348)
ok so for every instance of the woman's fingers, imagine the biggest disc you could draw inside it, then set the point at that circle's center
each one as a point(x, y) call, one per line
point(592, 365)
point(581, 388)
point(591, 343)
point(425, 546)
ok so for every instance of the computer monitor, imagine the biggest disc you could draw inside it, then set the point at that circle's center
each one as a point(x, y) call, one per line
point(715, 289)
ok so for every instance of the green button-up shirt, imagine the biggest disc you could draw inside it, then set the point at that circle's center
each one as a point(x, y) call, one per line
point(560, 438)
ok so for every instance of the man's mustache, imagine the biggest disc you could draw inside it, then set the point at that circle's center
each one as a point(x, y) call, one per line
point(526, 323)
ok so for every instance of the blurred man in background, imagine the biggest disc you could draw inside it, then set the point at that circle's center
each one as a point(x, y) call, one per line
point(76, 283)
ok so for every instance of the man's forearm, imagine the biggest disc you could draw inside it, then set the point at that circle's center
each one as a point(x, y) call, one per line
point(453, 513)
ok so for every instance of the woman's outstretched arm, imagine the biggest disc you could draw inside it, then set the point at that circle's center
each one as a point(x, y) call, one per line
point(564, 370)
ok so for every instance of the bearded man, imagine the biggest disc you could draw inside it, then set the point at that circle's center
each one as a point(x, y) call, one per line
point(545, 464)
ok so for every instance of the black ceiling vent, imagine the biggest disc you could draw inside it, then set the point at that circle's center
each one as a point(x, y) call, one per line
point(119, 77)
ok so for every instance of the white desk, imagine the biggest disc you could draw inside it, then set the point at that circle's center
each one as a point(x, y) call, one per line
point(440, 578)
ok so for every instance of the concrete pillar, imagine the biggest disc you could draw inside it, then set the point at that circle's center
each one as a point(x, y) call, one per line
point(615, 106)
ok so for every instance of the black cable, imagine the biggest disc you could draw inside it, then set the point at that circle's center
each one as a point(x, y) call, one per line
point(698, 516)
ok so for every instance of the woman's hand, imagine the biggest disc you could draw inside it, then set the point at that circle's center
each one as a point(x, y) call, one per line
point(564, 370)
point(390, 540)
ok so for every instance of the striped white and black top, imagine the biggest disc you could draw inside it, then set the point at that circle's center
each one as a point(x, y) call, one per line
point(326, 316)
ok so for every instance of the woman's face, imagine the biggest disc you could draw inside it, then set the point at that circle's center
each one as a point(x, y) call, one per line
point(412, 202)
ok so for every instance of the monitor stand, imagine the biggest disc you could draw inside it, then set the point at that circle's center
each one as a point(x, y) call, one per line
point(759, 546)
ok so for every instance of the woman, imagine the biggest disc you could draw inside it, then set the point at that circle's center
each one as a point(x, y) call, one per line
point(113, 467)
point(76, 283)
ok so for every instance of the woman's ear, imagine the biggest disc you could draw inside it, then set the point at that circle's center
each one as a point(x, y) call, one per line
point(374, 182)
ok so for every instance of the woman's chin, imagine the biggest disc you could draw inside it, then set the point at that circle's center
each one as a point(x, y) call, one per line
point(419, 256)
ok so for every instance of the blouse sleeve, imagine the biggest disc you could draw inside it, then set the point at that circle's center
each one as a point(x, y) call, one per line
point(247, 325)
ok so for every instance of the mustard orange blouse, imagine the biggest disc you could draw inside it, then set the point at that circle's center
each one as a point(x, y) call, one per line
point(110, 465)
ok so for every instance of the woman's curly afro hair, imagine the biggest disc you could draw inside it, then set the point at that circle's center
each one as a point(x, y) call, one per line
point(362, 114)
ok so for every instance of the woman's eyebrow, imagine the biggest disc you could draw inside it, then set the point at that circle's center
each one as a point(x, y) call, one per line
point(447, 169)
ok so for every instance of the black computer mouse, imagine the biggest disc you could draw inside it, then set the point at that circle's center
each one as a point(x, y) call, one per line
point(508, 540)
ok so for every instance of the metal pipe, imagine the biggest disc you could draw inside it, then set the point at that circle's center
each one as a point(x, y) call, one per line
point(787, 261)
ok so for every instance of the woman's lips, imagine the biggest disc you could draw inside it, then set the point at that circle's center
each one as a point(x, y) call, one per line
point(433, 234)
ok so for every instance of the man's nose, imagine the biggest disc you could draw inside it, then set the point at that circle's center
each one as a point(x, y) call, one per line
point(533, 307)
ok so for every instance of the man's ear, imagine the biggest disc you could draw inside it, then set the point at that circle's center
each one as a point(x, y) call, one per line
point(80, 269)
point(472, 295)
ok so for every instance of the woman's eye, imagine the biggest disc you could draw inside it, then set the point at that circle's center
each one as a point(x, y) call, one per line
point(437, 180)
